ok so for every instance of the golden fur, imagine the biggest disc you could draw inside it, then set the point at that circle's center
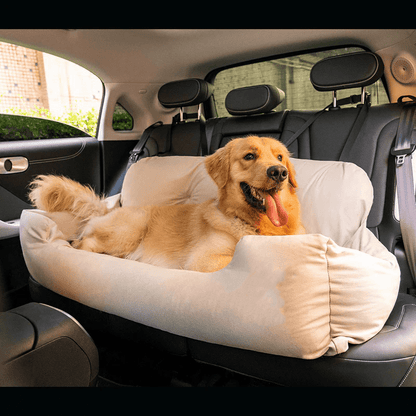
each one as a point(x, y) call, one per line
point(200, 237)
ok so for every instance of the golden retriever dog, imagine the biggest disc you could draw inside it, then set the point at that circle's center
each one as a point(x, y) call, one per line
point(256, 195)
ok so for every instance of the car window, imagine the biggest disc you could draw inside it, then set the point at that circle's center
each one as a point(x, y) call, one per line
point(290, 74)
point(42, 86)
point(122, 119)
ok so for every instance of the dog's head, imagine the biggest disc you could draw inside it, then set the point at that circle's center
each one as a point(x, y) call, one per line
point(254, 171)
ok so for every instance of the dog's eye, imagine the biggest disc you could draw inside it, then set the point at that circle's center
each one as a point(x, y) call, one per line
point(249, 156)
point(280, 158)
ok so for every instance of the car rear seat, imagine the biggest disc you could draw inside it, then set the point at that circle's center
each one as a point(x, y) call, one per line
point(389, 358)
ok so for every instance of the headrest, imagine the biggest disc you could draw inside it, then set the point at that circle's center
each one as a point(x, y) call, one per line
point(253, 100)
point(347, 71)
point(185, 93)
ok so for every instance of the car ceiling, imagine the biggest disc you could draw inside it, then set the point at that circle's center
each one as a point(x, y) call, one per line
point(162, 55)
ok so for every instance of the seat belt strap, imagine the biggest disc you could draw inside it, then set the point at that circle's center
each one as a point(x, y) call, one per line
point(355, 130)
point(138, 149)
point(348, 100)
point(203, 137)
point(134, 157)
point(305, 125)
point(402, 150)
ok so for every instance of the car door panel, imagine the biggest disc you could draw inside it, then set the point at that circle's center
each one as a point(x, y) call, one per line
point(76, 158)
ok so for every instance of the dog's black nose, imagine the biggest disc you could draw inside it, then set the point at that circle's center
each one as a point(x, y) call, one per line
point(278, 173)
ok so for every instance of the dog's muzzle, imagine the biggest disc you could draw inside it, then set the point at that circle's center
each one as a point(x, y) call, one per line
point(278, 173)
point(268, 200)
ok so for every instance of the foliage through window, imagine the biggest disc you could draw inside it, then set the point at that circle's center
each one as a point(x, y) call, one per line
point(37, 84)
point(17, 127)
point(290, 74)
point(122, 120)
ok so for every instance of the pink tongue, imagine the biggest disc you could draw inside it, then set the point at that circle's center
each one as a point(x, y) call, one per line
point(275, 211)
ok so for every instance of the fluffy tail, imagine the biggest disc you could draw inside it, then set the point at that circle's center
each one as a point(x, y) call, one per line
point(57, 194)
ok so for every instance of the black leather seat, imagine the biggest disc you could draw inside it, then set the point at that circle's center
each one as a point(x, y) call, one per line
point(253, 108)
point(182, 137)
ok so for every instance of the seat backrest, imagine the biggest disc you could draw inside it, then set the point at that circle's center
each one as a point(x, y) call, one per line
point(326, 138)
point(252, 111)
point(182, 137)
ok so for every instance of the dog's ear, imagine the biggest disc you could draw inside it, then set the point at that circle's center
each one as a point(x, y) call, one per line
point(218, 166)
point(292, 174)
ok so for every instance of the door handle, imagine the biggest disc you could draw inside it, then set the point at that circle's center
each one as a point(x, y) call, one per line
point(15, 164)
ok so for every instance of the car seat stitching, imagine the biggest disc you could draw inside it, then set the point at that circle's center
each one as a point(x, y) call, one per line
point(61, 158)
point(375, 361)
point(329, 297)
point(397, 324)
point(399, 321)
point(407, 372)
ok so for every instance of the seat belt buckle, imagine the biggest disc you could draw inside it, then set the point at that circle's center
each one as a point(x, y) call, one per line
point(134, 156)
point(402, 153)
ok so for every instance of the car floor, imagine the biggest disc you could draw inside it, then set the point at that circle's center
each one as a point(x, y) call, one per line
point(125, 364)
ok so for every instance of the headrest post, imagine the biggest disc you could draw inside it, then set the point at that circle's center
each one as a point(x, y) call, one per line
point(363, 94)
point(181, 114)
point(334, 99)
point(199, 111)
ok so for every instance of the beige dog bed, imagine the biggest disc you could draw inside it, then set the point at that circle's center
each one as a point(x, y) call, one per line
point(298, 296)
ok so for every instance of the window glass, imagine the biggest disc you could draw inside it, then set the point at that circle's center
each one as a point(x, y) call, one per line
point(17, 127)
point(122, 120)
point(290, 74)
point(38, 84)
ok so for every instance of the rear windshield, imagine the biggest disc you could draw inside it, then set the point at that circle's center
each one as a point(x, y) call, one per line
point(290, 74)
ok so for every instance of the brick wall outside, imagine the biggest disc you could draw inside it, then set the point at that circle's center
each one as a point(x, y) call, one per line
point(28, 89)
point(30, 79)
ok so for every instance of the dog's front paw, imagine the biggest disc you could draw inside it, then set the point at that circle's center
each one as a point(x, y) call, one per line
point(76, 243)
